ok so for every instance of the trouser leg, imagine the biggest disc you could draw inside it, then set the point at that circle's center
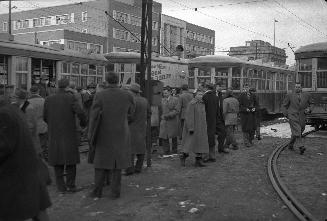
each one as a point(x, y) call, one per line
point(182, 128)
point(166, 146)
point(246, 138)
point(139, 162)
point(99, 177)
point(59, 173)
point(174, 144)
point(71, 176)
point(116, 183)
point(251, 136)
point(212, 152)
point(131, 169)
point(44, 145)
point(291, 144)
point(257, 131)
point(221, 138)
point(228, 135)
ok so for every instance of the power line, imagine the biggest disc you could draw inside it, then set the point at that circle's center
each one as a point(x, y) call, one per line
point(302, 20)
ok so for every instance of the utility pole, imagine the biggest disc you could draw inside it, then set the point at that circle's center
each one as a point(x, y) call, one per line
point(9, 19)
point(146, 50)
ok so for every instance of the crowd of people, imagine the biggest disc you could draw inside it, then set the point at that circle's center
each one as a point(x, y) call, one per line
point(36, 127)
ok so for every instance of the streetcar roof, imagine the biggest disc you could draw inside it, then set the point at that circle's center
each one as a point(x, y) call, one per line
point(16, 48)
point(228, 61)
point(316, 47)
point(135, 57)
point(312, 51)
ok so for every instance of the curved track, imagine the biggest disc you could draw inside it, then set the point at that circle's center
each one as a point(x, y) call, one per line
point(293, 204)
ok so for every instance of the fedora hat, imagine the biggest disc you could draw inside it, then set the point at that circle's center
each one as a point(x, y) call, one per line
point(135, 88)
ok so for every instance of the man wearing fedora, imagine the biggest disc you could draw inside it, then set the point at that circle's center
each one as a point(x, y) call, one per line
point(138, 129)
point(59, 112)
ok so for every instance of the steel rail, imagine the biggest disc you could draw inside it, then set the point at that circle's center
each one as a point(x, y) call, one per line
point(292, 203)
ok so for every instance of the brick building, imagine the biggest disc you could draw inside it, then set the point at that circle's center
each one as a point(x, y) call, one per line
point(257, 49)
point(90, 27)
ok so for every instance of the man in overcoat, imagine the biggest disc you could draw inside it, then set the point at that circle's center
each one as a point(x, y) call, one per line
point(210, 100)
point(59, 113)
point(184, 100)
point(138, 129)
point(248, 107)
point(294, 107)
point(230, 111)
point(257, 114)
point(220, 128)
point(112, 111)
point(169, 124)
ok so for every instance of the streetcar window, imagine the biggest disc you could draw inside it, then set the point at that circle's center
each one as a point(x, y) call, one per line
point(99, 70)
point(3, 70)
point(236, 78)
point(322, 64)
point(21, 72)
point(84, 69)
point(65, 68)
point(306, 79)
point(75, 68)
point(322, 79)
point(305, 64)
point(92, 70)
point(204, 71)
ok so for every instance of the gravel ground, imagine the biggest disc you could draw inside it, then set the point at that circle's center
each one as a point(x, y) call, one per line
point(306, 177)
point(236, 187)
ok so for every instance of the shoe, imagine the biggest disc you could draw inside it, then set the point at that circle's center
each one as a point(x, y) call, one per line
point(223, 151)
point(209, 160)
point(183, 157)
point(235, 147)
point(199, 162)
point(259, 138)
point(302, 149)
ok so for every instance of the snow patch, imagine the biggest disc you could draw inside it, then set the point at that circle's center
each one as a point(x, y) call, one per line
point(281, 130)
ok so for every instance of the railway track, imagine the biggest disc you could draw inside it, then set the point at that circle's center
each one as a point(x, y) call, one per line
point(292, 203)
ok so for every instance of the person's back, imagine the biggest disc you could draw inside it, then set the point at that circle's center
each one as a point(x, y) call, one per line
point(230, 110)
point(184, 100)
point(38, 103)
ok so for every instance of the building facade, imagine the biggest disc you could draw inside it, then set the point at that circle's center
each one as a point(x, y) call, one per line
point(102, 26)
point(259, 50)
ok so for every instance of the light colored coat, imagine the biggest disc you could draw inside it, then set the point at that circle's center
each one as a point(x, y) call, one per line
point(195, 120)
point(293, 108)
point(230, 110)
point(138, 125)
point(112, 137)
point(184, 100)
point(38, 103)
point(169, 125)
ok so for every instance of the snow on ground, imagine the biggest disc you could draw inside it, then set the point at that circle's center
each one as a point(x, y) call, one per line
point(281, 130)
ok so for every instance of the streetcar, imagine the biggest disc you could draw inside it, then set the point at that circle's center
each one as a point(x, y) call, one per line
point(311, 72)
point(23, 64)
point(272, 83)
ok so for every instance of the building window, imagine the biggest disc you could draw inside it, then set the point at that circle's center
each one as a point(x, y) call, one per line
point(136, 21)
point(119, 34)
point(47, 21)
point(95, 48)
point(84, 16)
point(154, 25)
point(135, 38)
point(154, 41)
point(121, 17)
point(62, 19)
point(5, 26)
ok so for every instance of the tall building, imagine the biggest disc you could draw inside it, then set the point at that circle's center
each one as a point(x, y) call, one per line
point(101, 26)
point(196, 40)
point(257, 49)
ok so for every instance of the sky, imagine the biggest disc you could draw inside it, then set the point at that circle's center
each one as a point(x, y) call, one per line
point(299, 22)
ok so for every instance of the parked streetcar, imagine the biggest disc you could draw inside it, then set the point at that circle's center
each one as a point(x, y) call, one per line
point(311, 69)
point(271, 83)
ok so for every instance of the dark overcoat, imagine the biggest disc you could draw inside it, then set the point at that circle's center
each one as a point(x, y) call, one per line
point(138, 125)
point(59, 113)
point(195, 120)
point(248, 121)
point(22, 193)
point(210, 100)
point(112, 138)
point(293, 107)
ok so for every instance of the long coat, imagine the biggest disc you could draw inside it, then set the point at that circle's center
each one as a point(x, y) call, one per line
point(169, 124)
point(248, 122)
point(195, 120)
point(112, 138)
point(22, 193)
point(230, 110)
point(59, 113)
point(38, 103)
point(184, 100)
point(138, 125)
point(293, 107)
point(210, 100)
